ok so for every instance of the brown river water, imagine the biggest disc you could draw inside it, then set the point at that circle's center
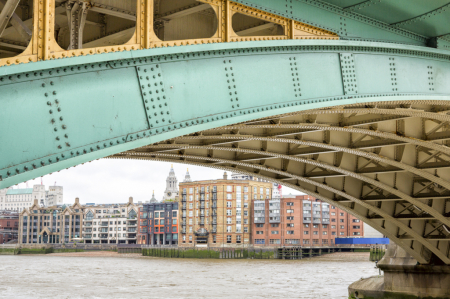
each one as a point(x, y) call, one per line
point(111, 275)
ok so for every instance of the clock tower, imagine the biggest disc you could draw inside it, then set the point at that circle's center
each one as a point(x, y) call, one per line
point(171, 186)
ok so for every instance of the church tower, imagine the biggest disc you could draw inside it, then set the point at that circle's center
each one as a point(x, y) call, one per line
point(187, 178)
point(171, 186)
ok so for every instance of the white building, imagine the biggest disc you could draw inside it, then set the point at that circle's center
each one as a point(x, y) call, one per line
point(275, 187)
point(20, 199)
point(111, 224)
point(171, 186)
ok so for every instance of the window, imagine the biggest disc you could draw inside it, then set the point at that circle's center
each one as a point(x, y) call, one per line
point(356, 227)
point(306, 225)
point(229, 203)
point(289, 211)
point(229, 212)
point(305, 241)
point(245, 229)
point(333, 220)
point(290, 232)
point(156, 214)
point(333, 226)
point(274, 225)
point(190, 221)
point(341, 233)
point(290, 217)
point(214, 238)
point(341, 227)
point(356, 233)
point(190, 238)
point(191, 213)
point(275, 241)
point(333, 233)
point(229, 220)
point(190, 229)
point(245, 189)
point(228, 239)
point(342, 214)
point(245, 221)
point(274, 232)
point(315, 226)
point(289, 203)
point(229, 188)
point(333, 214)
point(341, 220)
point(324, 233)
point(191, 191)
point(290, 225)
point(259, 225)
point(259, 232)
point(191, 205)
point(325, 226)
point(356, 220)
point(245, 213)
point(315, 232)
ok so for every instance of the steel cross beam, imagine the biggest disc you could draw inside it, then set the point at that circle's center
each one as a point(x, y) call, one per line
point(7, 13)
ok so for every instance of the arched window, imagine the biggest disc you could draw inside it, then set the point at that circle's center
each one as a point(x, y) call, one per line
point(132, 214)
point(89, 216)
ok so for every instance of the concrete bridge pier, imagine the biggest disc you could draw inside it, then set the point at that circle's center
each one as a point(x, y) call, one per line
point(405, 278)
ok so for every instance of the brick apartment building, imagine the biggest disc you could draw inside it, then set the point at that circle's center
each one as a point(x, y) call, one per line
point(218, 212)
point(158, 223)
point(301, 220)
point(9, 226)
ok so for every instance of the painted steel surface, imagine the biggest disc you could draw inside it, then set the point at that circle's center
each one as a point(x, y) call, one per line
point(57, 114)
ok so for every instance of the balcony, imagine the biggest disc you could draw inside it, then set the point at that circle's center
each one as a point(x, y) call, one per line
point(184, 207)
point(131, 223)
point(183, 231)
point(103, 224)
point(259, 220)
point(316, 220)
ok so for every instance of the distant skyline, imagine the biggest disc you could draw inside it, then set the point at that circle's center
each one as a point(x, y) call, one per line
point(114, 181)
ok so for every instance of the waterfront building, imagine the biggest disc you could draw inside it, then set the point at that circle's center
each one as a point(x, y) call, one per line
point(20, 199)
point(171, 191)
point(9, 226)
point(276, 188)
point(296, 220)
point(217, 213)
point(158, 223)
point(105, 224)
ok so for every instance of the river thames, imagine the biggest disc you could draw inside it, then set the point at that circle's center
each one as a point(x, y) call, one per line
point(85, 275)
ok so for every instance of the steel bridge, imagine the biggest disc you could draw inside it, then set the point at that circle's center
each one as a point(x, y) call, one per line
point(345, 100)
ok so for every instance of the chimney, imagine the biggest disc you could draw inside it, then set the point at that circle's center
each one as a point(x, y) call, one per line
point(77, 200)
point(225, 176)
point(130, 200)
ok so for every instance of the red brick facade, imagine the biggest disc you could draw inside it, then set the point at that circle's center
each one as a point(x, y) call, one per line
point(303, 225)
point(9, 226)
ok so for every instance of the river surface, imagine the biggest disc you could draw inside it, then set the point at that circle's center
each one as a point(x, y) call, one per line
point(133, 276)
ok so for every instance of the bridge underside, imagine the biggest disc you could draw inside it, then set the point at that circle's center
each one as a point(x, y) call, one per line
point(254, 86)
point(387, 163)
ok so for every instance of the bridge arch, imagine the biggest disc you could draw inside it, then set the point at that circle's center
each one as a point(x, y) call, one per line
point(281, 110)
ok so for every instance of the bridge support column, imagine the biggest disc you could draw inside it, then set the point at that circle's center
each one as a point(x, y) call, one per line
point(403, 278)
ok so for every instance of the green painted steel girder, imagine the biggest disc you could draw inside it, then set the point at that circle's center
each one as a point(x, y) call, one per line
point(60, 113)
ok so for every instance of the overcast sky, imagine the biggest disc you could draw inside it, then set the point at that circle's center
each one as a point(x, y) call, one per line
point(113, 181)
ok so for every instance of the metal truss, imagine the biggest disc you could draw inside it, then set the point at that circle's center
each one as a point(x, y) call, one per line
point(388, 165)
